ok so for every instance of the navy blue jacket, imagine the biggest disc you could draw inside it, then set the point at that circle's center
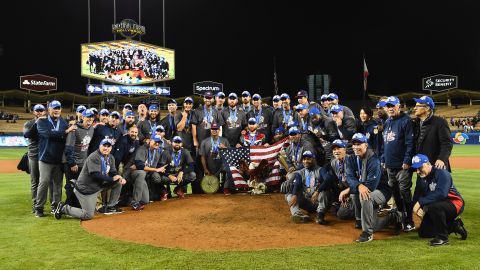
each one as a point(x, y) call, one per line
point(372, 173)
point(375, 139)
point(51, 142)
point(102, 132)
point(437, 186)
point(125, 150)
point(398, 141)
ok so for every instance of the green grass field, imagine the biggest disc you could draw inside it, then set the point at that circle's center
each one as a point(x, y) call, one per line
point(32, 243)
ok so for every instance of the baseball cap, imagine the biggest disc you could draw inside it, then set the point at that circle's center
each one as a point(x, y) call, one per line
point(129, 113)
point(302, 93)
point(128, 106)
point(339, 143)
point(301, 107)
point(256, 96)
point(208, 94)
point(332, 96)
point(106, 141)
point(215, 126)
point(171, 101)
point(115, 113)
point(156, 138)
point(359, 137)
point(153, 107)
point(292, 124)
point(324, 97)
point(160, 128)
point(81, 108)
point(177, 139)
point(276, 98)
point(188, 99)
point(252, 121)
point(279, 130)
point(55, 104)
point(94, 110)
point(426, 100)
point(308, 154)
point(314, 111)
point(284, 96)
point(221, 95)
point(104, 111)
point(293, 131)
point(336, 108)
point(392, 100)
point(88, 113)
point(418, 160)
point(39, 107)
point(381, 104)
point(245, 94)
point(232, 96)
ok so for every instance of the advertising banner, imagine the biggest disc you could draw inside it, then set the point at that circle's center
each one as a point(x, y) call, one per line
point(199, 88)
point(440, 82)
point(127, 90)
point(12, 141)
point(466, 138)
point(38, 82)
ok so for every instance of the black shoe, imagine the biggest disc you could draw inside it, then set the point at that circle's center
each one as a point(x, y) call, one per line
point(438, 242)
point(104, 210)
point(114, 209)
point(321, 219)
point(408, 227)
point(300, 218)
point(358, 224)
point(39, 213)
point(365, 237)
point(58, 211)
point(460, 229)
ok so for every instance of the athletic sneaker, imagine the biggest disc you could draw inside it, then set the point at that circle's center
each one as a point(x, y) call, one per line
point(137, 206)
point(459, 228)
point(39, 213)
point(321, 219)
point(410, 226)
point(114, 209)
point(58, 211)
point(365, 237)
point(300, 218)
point(438, 242)
point(104, 210)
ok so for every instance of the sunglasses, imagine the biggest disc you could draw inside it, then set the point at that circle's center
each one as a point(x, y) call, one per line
point(177, 141)
point(245, 96)
point(232, 98)
point(57, 108)
point(208, 98)
point(40, 110)
point(282, 99)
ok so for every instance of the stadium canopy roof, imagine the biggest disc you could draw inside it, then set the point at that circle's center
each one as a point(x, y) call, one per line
point(438, 97)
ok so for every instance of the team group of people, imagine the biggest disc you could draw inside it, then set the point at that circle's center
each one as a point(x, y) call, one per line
point(331, 160)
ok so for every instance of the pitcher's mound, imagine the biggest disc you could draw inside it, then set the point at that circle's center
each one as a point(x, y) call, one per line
point(218, 222)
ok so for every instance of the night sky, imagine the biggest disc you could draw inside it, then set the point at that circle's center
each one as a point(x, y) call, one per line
point(235, 42)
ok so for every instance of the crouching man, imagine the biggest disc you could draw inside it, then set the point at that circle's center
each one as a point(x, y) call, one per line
point(180, 168)
point(98, 173)
point(311, 191)
point(437, 202)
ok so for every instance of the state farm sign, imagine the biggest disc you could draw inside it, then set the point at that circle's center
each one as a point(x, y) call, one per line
point(38, 82)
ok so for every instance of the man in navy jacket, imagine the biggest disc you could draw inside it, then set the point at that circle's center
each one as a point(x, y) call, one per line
point(398, 149)
point(437, 201)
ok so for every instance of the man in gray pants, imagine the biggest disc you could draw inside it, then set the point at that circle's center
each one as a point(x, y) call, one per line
point(97, 174)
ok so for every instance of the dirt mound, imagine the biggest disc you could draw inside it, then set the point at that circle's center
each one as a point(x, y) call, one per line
point(217, 222)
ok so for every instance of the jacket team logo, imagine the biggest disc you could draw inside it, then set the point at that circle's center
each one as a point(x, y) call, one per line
point(390, 136)
point(460, 138)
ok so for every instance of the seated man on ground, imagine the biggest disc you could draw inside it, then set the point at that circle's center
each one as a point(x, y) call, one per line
point(252, 136)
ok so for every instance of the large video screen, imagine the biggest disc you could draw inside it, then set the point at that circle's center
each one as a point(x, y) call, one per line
point(127, 62)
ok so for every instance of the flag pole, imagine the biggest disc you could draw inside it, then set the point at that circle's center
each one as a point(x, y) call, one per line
point(275, 80)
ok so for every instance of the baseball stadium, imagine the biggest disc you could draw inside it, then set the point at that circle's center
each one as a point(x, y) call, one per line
point(289, 153)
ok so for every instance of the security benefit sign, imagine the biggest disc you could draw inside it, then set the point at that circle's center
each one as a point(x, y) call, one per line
point(440, 82)
point(38, 82)
point(200, 88)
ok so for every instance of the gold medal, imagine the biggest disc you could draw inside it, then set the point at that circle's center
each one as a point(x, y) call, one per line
point(375, 131)
point(308, 190)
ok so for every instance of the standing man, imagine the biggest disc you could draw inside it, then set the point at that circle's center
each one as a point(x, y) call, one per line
point(276, 103)
point(282, 117)
point(235, 120)
point(220, 101)
point(334, 101)
point(146, 128)
point(108, 131)
point(78, 114)
point(398, 150)
point(31, 133)
point(302, 98)
point(52, 132)
point(345, 125)
point(437, 202)
point(294, 151)
point(183, 122)
point(127, 121)
point(103, 116)
point(168, 122)
point(433, 134)
point(246, 107)
point(303, 118)
point(263, 117)
point(325, 105)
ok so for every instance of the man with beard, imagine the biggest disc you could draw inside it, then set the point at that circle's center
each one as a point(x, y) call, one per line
point(127, 122)
point(334, 101)
point(97, 174)
point(168, 122)
point(338, 171)
point(311, 191)
point(246, 107)
point(276, 103)
point(345, 125)
point(125, 150)
point(180, 167)
point(294, 151)
point(183, 122)
point(78, 113)
point(252, 136)
point(325, 129)
point(325, 103)
point(146, 128)
point(104, 114)
point(302, 98)
point(76, 152)
point(235, 121)
point(282, 117)
point(52, 132)
point(303, 118)
point(109, 131)
point(263, 117)
point(220, 101)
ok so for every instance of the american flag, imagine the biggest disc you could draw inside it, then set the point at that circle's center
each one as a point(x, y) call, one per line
point(252, 154)
point(365, 74)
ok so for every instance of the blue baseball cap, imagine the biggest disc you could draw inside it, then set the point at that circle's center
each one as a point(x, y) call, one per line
point(55, 104)
point(177, 139)
point(128, 106)
point(245, 94)
point(153, 107)
point(293, 131)
point(339, 143)
point(252, 121)
point(160, 128)
point(276, 98)
point(381, 104)
point(359, 137)
point(426, 100)
point(188, 99)
point(301, 107)
point(302, 93)
point(94, 110)
point(156, 138)
point(221, 94)
point(392, 100)
point(88, 113)
point(232, 96)
point(336, 108)
point(117, 114)
point(106, 141)
point(418, 160)
point(129, 113)
point(314, 111)
point(104, 111)
point(332, 96)
point(284, 96)
point(81, 108)
point(39, 107)
point(308, 154)
point(279, 130)
point(292, 124)
point(256, 96)
point(324, 97)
